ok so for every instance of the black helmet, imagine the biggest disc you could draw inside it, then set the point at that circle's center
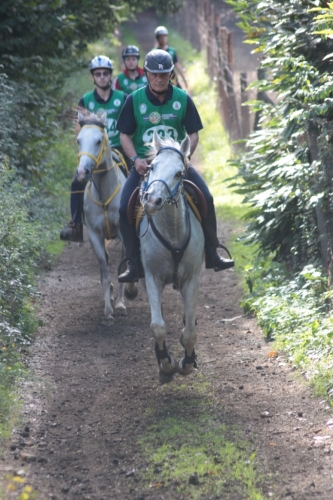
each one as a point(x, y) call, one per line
point(158, 61)
point(131, 50)
point(161, 30)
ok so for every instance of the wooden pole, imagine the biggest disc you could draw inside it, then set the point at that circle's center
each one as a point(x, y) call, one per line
point(245, 110)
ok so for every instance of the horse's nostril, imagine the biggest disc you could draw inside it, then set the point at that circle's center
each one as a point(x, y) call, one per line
point(146, 196)
point(158, 201)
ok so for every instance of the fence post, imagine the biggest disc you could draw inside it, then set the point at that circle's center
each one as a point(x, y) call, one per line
point(245, 110)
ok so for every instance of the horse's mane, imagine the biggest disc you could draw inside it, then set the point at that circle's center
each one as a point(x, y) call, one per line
point(152, 153)
point(88, 118)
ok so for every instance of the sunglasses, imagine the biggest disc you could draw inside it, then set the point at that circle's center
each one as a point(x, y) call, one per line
point(98, 74)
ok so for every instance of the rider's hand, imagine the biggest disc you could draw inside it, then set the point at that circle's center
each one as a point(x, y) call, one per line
point(141, 166)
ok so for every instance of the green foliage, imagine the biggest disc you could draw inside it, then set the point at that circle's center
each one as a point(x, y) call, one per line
point(20, 251)
point(282, 185)
point(296, 314)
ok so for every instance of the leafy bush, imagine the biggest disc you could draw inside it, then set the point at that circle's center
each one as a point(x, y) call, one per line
point(297, 315)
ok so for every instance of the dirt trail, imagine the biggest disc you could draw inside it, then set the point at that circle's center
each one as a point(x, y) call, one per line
point(86, 404)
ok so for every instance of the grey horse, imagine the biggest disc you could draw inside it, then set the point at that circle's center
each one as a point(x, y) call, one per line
point(172, 249)
point(98, 166)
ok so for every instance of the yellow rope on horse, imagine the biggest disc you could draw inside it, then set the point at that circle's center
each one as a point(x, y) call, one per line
point(97, 159)
point(122, 159)
point(105, 204)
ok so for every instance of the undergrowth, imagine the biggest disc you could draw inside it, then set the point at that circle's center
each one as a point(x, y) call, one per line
point(297, 314)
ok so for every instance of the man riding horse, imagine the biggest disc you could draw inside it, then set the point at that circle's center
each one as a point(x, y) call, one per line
point(101, 99)
point(133, 77)
point(171, 112)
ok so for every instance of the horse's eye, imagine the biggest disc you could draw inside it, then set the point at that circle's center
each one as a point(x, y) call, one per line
point(99, 142)
point(178, 174)
point(78, 141)
point(152, 168)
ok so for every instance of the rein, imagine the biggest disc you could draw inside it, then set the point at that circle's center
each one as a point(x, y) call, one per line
point(176, 252)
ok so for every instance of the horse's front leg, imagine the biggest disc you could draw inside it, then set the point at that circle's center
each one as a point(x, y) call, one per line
point(188, 337)
point(167, 364)
point(98, 247)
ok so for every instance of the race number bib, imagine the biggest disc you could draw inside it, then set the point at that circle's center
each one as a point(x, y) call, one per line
point(164, 131)
point(111, 127)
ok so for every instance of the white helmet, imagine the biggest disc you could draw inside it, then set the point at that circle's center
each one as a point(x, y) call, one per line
point(161, 30)
point(100, 62)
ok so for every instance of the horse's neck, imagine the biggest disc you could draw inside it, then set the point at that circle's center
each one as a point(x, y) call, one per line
point(171, 222)
point(107, 180)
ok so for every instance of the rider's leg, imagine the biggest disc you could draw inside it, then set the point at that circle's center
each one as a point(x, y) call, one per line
point(73, 231)
point(213, 260)
point(128, 232)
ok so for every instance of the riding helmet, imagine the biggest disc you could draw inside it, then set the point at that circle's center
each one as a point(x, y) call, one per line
point(100, 62)
point(131, 50)
point(161, 30)
point(158, 61)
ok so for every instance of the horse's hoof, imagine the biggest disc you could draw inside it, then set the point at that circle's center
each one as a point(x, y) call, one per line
point(165, 378)
point(107, 321)
point(131, 291)
point(185, 371)
point(120, 310)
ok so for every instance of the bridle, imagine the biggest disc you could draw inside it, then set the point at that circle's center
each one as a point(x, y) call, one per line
point(102, 152)
point(174, 194)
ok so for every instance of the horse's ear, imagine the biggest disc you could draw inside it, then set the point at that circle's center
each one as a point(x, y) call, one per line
point(156, 140)
point(80, 117)
point(185, 146)
point(102, 118)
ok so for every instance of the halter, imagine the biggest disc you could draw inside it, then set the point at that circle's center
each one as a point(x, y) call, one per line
point(172, 192)
point(103, 150)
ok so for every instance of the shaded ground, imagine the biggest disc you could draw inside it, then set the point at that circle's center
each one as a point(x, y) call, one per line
point(86, 407)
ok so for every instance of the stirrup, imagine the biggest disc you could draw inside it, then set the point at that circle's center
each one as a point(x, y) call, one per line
point(225, 248)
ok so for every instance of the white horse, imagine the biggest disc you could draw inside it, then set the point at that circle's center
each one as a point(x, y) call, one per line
point(98, 166)
point(172, 249)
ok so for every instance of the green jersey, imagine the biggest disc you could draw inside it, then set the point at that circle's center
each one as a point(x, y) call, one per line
point(167, 119)
point(124, 83)
point(112, 108)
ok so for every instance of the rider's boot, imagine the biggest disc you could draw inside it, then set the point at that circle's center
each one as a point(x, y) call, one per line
point(131, 241)
point(213, 259)
point(73, 231)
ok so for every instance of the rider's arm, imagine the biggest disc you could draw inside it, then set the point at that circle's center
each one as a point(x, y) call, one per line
point(128, 146)
point(179, 70)
point(194, 139)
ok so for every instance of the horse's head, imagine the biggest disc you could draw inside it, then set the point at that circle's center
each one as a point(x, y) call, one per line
point(93, 144)
point(164, 179)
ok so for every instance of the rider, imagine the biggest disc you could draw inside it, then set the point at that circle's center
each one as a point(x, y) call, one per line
point(161, 34)
point(133, 77)
point(103, 98)
point(170, 111)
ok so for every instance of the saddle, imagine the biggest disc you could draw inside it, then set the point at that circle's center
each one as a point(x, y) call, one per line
point(194, 196)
